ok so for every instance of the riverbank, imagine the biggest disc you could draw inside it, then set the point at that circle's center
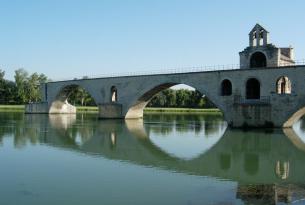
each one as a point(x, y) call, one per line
point(181, 110)
point(12, 108)
point(93, 109)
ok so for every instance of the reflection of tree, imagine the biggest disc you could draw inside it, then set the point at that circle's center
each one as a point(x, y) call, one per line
point(182, 123)
point(33, 128)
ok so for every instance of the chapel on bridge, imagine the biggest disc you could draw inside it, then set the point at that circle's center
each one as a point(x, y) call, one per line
point(261, 53)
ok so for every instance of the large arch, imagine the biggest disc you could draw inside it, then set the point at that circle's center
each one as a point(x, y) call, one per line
point(62, 102)
point(258, 60)
point(135, 110)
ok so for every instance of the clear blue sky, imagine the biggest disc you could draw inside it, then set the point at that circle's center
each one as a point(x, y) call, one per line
point(67, 38)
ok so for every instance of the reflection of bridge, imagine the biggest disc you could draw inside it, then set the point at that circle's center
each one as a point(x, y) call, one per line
point(266, 91)
point(254, 157)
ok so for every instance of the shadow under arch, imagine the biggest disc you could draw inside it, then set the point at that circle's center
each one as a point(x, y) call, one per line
point(136, 108)
point(62, 102)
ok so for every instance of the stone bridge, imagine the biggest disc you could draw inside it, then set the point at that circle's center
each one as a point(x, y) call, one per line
point(261, 97)
point(267, 90)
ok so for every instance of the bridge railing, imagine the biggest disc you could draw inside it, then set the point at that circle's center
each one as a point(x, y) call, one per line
point(177, 70)
point(263, 100)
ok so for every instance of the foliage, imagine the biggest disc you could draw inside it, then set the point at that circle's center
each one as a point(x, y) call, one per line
point(25, 89)
point(28, 86)
point(182, 98)
point(79, 96)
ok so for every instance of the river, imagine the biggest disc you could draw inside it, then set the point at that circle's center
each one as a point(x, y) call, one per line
point(185, 159)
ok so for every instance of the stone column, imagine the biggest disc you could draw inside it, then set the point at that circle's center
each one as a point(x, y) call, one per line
point(110, 111)
point(265, 35)
point(258, 38)
point(251, 39)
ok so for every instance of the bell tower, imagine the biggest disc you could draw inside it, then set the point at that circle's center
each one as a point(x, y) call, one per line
point(261, 53)
point(258, 36)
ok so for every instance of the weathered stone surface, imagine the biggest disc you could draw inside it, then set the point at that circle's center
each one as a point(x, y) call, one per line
point(110, 111)
point(134, 92)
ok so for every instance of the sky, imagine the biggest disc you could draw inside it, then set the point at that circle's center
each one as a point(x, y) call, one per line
point(72, 38)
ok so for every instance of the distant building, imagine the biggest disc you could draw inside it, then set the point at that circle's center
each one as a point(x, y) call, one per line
point(261, 53)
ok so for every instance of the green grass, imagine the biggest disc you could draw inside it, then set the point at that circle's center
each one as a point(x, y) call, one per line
point(86, 109)
point(146, 110)
point(9, 108)
point(155, 110)
point(178, 110)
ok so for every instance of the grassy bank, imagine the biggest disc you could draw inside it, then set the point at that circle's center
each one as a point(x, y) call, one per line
point(86, 109)
point(157, 110)
point(146, 110)
point(11, 108)
point(181, 110)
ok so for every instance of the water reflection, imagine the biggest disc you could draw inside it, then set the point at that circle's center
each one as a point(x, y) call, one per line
point(185, 136)
point(268, 167)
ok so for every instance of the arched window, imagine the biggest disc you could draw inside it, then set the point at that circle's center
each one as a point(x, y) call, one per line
point(114, 94)
point(226, 88)
point(283, 85)
point(253, 89)
point(258, 60)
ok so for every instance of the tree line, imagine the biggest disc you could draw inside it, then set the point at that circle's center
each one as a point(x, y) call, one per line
point(26, 89)
point(182, 98)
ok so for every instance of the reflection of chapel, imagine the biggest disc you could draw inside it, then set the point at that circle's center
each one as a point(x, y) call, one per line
point(261, 53)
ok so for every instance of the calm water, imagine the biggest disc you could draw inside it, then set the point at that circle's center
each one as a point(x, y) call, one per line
point(163, 159)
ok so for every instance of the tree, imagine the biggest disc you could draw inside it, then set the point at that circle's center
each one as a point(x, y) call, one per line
point(180, 98)
point(7, 90)
point(21, 80)
point(28, 86)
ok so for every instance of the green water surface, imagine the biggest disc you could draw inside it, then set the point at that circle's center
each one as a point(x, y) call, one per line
point(162, 159)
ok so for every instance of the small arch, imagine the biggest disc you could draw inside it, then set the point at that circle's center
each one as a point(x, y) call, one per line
point(226, 88)
point(114, 94)
point(283, 85)
point(252, 89)
point(258, 60)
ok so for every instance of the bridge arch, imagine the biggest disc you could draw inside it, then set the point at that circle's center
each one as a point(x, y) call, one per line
point(70, 95)
point(136, 107)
